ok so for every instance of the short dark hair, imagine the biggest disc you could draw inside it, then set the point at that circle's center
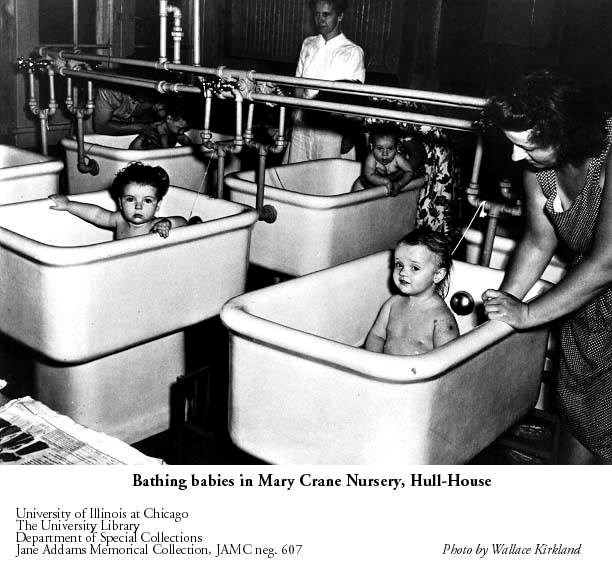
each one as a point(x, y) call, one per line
point(139, 173)
point(439, 244)
point(340, 6)
point(561, 115)
point(385, 130)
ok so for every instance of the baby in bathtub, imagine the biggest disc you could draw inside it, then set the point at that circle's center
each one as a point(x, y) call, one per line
point(138, 190)
point(165, 133)
point(417, 319)
point(384, 164)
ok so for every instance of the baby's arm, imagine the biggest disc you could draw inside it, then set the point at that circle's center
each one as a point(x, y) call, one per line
point(91, 213)
point(378, 334)
point(137, 142)
point(403, 175)
point(372, 176)
point(162, 226)
point(445, 328)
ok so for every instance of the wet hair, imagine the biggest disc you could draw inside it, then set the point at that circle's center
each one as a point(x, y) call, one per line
point(139, 173)
point(561, 115)
point(440, 245)
point(384, 130)
point(340, 6)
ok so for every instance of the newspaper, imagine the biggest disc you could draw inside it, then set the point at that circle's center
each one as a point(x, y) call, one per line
point(33, 434)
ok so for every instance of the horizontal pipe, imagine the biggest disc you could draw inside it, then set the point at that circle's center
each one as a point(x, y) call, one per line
point(375, 90)
point(144, 83)
point(348, 87)
point(353, 109)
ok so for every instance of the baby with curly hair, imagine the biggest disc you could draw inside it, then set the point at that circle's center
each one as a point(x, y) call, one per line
point(138, 191)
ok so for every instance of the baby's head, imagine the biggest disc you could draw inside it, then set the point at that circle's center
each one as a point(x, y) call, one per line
point(176, 121)
point(422, 262)
point(383, 143)
point(138, 191)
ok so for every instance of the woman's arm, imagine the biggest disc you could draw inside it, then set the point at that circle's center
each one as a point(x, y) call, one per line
point(590, 277)
point(536, 246)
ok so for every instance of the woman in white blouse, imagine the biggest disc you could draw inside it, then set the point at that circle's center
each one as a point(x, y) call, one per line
point(328, 56)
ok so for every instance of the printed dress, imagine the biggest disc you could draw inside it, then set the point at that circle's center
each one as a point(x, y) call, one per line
point(585, 372)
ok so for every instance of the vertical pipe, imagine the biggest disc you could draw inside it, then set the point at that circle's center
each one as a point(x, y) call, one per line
point(163, 29)
point(261, 177)
point(75, 24)
point(487, 245)
point(281, 125)
point(42, 116)
point(220, 170)
point(177, 34)
point(477, 162)
point(238, 98)
point(196, 32)
point(248, 132)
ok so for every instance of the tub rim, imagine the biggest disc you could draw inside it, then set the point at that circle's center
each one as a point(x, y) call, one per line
point(311, 201)
point(397, 369)
point(44, 165)
point(57, 256)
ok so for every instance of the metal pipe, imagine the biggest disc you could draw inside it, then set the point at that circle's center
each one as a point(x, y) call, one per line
point(487, 247)
point(424, 96)
point(248, 132)
point(473, 186)
point(176, 33)
point(397, 115)
point(32, 102)
point(238, 140)
point(205, 134)
point(196, 31)
point(84, 164)
point(220, 150)
point(266, 213)
point(161, 86)
point(370, 90)
point(44, 124)
point(75, 24)
point(163, 30)
point(52, 102)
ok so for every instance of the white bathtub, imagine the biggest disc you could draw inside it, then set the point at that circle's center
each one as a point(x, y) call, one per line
point(302, 391)
point(320, 223)
point(502, 250)
point(89, 307)
point(25, 175)
point(185, 165)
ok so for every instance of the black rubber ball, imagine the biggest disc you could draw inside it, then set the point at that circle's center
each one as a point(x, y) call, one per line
point(462, 303)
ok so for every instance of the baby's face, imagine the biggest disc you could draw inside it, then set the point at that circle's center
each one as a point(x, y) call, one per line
point(384, 149)
point(415, 270)
point(177, 127)
point(139, 203)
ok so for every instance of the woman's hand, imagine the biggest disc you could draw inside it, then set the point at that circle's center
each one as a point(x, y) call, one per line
point(162, 227)
point(499, 305)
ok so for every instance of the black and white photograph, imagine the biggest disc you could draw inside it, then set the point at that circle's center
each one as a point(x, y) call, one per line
point(316, 281)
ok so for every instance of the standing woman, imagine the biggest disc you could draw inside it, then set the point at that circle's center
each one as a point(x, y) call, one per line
point(564, 140)
point(328, 56)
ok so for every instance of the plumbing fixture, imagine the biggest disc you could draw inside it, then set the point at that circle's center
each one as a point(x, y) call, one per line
point(176, 32)
point(492, 209)
point(40, 65)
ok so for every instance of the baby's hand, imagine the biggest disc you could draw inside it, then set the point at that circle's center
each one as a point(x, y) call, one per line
point(391, 188)
point(162, 227)
point(60, 202)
